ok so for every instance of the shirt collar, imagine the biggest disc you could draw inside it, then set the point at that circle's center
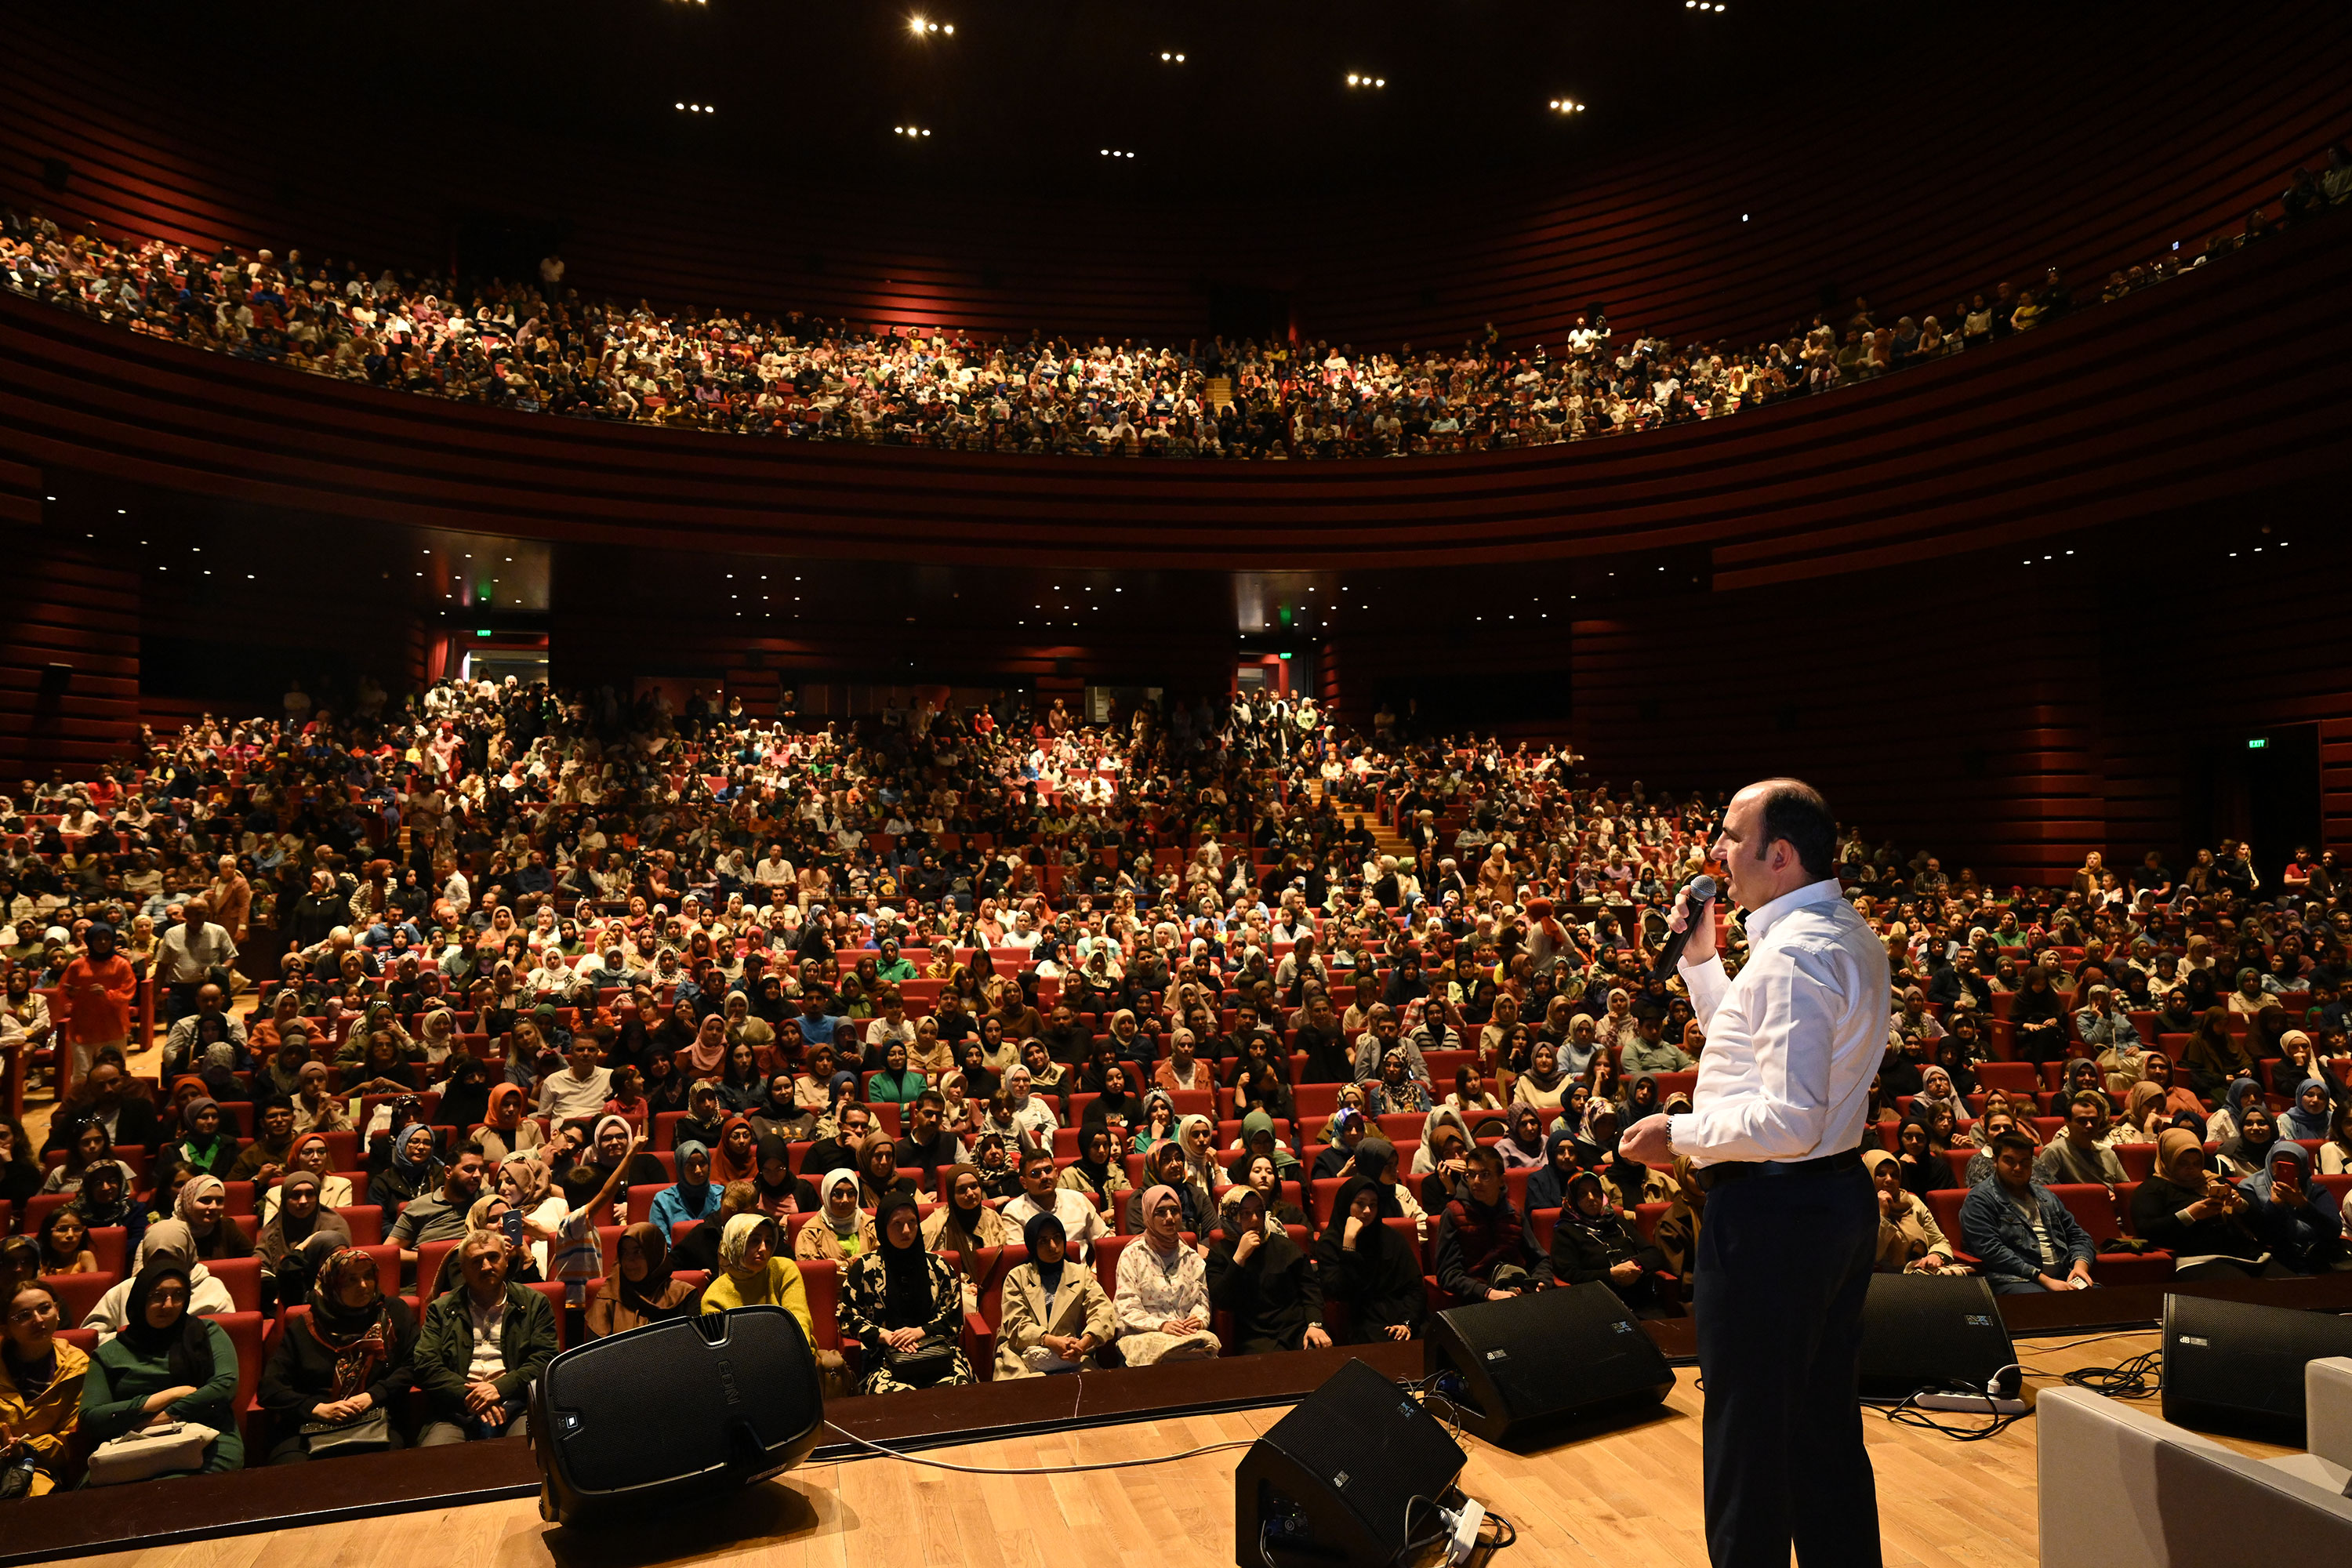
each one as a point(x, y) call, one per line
point(1761, 921)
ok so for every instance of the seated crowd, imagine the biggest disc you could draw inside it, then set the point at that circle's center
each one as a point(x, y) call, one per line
point(544, 348)
point(1001, 1050)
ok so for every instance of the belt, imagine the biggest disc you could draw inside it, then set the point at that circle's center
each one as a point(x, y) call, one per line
point(1712, 1176)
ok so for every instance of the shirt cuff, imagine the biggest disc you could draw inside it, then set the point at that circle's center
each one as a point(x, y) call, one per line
point(1682, 1134)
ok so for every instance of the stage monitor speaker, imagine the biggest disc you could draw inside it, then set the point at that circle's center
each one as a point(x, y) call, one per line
point(1930, 1331)
point(674, 1411)
point(1335, 1481)
point(1540, 1361)
point(2233, 1366)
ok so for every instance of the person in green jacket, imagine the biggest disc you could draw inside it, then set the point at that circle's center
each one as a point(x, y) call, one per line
point(482, 1344)
point(897, 1083)
point(166, 1364)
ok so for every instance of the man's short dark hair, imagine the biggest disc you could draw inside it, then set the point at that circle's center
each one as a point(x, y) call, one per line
point(1034, 1155)
point(2090, 1097)
point(2013, 1143)
point(1794, 810)
point(1485, 1158)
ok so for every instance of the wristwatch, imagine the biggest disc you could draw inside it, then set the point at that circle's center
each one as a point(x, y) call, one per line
point(1670, 1138)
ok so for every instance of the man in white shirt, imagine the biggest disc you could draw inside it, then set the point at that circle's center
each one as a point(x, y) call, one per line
point(1083, 1223)
point(191, 954)
point(582, 1086)
point(1784, 1259)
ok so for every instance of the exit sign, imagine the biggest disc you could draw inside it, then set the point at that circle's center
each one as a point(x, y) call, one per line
point(2259, 743)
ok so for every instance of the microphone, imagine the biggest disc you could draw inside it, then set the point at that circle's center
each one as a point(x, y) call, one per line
point(1702, 891)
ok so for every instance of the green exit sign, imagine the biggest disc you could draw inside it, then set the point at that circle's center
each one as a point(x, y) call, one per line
point(2259, 743)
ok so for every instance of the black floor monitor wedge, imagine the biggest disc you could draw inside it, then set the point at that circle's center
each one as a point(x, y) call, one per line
point(674, 1411)
point(2233, 1366)
point(1930, 1331)
point(1348, 1476)
point(1533, 1363)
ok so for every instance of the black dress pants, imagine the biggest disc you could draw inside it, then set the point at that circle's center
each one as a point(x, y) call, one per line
point(1782, 1269)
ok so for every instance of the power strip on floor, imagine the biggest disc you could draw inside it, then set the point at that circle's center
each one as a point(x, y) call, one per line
point(1970, 1404)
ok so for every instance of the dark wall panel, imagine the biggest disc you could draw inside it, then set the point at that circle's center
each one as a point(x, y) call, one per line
point(69, 657)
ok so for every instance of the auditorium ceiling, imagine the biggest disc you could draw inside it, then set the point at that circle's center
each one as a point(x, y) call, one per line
point(1049, 97)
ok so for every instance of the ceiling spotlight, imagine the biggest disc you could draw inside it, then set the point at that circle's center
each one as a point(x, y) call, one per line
point(918, 24)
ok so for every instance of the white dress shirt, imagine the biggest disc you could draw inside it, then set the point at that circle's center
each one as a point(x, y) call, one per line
point(1793, 1043)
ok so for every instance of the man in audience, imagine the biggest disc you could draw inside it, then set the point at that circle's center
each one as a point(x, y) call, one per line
point(1082, 1223)
point(2024, 1236)
point(482, 1344)
point(439, 1215)
point(2081, 1152)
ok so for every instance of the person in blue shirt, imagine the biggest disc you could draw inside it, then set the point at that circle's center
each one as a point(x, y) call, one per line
point(694, 1197)
point(2025, 1236)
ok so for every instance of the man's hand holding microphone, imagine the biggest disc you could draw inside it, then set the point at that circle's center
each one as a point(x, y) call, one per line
point(1693, 939)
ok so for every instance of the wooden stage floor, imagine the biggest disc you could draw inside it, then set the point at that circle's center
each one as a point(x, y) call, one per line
point(1628, 1495)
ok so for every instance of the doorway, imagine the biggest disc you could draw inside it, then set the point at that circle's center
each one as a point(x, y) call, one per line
point(2263, 788)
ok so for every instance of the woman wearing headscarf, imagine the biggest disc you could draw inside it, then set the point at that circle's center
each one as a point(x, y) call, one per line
point(640, 1289)
point(166, 1364)
point(2207, 1223)
point(299, 1234)
point(610, 1144)
point(1935, 1089)
point(1523, 1150)
point(1099, 1171)
point(2307, 1120)
point(41, 1379)
point(1376, 1161)
point(2296, 1217)
point(529, 1185)
point(506, 1131)
point(1197, 1136)
point(878, 1171)
point(1640, 1098)
point(736, 1156)
point(754, 1272)
point(1544, 1084)
point(1548, 1188)
point(167, 1241)
point(351, 1353)
point(1162, 1300)
point(2157, 1067)
point(466, 1095)
point(904, 1306)
point(779, 1111)
point(1056, 1314)
point(840, 1230)
point(707, 1056)
point(2214, 1058)
point(105, 1201)
point(1370, 1269)
point(2144, 1116)
point(203, 1207)
point(2222, 1127)
point(1592, 1241)
point(1909, 1239)
point(1265, 1279)
point(693, 1197)
point(409, 1169)
point(963, 1225)
point(2249, 1153)
point(1257, 1137)
point(204, 1141)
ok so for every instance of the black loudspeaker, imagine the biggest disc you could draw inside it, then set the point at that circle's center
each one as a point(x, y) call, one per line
point(2233, 1366)
point(674, 1411)
point(1336, 1479)
point(1931, 1331)
point(1546, 1358)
